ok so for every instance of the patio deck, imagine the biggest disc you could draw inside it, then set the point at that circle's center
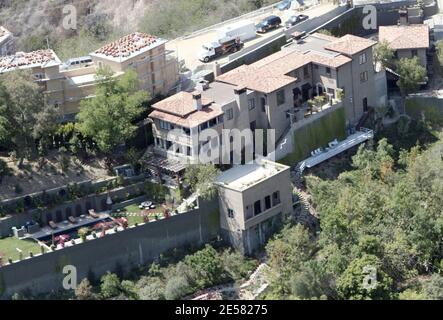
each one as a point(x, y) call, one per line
point(351, 141)
point(65, 226)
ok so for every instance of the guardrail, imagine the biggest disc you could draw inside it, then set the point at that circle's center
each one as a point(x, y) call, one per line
point(251, 14)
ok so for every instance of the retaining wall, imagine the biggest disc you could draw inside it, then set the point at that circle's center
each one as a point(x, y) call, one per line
point(124, 250)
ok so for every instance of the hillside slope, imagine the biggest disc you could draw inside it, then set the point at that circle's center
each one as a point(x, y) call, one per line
point(39, 23)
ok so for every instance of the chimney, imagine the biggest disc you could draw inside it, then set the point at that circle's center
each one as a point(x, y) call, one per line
point(202, 85)
point(403, 17)
point(197, 99)
point(241, 99)
point(217, 70)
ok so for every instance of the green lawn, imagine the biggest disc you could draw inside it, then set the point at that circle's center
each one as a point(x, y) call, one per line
point(132, 220)
point(8, 248)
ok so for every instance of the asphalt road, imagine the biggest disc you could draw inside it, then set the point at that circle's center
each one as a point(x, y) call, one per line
point(187, 49)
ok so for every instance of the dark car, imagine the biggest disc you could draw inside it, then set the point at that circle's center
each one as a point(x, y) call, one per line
point(269, 23)
point(293, 20)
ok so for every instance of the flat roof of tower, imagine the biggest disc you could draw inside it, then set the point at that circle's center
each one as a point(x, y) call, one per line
point(243, 177)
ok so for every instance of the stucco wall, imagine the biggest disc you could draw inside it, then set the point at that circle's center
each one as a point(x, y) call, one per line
point(127, 249)
point(428, 108)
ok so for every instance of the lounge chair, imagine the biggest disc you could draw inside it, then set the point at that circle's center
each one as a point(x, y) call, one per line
point(72, 219)
point(93, 214)
point(52, 224)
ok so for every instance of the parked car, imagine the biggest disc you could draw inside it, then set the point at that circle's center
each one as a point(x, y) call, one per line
point(290, 4)
point(269, 23)
point(284, 5)
point(293, 20)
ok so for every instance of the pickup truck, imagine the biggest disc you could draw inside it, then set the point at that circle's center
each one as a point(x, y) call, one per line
point(216, 49)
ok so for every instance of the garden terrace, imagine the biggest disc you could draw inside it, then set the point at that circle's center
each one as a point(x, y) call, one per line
point(9, 246)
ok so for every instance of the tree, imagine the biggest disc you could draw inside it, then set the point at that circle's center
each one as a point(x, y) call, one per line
point(287, 252)
point(151, 288)
point(433, 287)
point(84, 291)
point(4, 170)
point(108, 117)
point(110, 286)
point(207, 265)
point(365, 279)
point(411, 74)
point(201, 179)
point(383, 54)
point(24, 116)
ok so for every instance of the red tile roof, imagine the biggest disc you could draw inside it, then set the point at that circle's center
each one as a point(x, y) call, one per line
point(350, 44)
point(190, 120)
point(29, 59)
point(128, 45)
point(180, 104)
point(413, 36)
point(270, 74)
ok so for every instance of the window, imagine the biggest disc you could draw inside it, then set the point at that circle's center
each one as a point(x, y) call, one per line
point(414, 53)
point(306, 72)
point(280, 97)
point(364, 76)
point(251, 104)
point(203, 126)
point(328, 71)
point(257, 207)
point(230, 114)
point(276, 198)
point(212, 122)
point(296, 76)
point(268, 204)
point(188, 151)
point(165, 125)
point(263, 104)
point(231, 213)
point(362, 58)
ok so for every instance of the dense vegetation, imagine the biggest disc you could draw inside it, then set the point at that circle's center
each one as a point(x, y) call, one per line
point(174, 276)
point(381, 221)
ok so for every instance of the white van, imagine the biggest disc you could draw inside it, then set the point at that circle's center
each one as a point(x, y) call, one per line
point(245, 30)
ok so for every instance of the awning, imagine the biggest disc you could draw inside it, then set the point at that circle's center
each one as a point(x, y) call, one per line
point(168, 164)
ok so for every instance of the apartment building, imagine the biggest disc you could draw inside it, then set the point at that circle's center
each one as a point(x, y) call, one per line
point(272, 93)
point(65, 85)
point(44, 65)
point(7, 44)
point(407, 41)
point(253, 201)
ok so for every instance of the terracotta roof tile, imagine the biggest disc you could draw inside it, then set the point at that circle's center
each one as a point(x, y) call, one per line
point(28, 59)
point(270, 73)
point(191, 120)
point(180, 104)
point(349, 44)
point(128, 45)
point(405, 37)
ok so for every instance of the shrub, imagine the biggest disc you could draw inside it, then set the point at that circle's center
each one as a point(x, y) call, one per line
point(151, 289)
point(84, 291)
point(177, 287)
point(110, 286)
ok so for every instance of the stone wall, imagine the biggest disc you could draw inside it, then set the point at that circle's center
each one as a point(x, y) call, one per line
point(126, 249)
